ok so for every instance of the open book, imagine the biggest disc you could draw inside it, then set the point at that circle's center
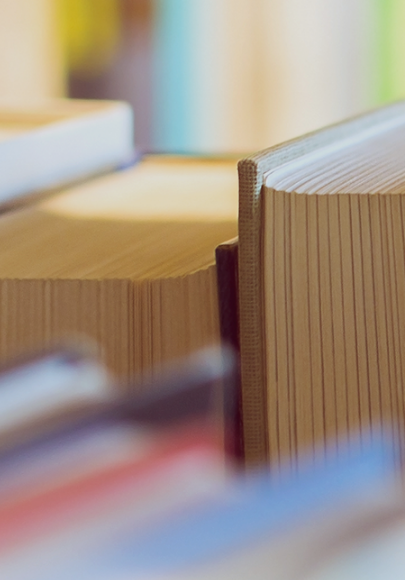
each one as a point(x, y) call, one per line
point(322, 286)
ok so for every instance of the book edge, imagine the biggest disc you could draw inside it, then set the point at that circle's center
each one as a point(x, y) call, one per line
point(251, 308)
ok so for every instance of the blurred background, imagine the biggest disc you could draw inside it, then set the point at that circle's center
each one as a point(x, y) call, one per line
point(208, 75)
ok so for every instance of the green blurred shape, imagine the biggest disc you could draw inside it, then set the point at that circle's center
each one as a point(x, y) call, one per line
point(390, 50)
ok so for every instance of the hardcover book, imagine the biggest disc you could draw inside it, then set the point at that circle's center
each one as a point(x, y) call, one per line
point(126, 259)
point(322, 287)
point(53, 142)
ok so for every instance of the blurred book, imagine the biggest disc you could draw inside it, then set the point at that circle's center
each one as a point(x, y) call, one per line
point(44, 145)
point(389, 16)
point(254, 526)
point(124, 460)
point(137, 487)
point(49, 392)
point(239, 75)
point(40, 392)
point(294, 528)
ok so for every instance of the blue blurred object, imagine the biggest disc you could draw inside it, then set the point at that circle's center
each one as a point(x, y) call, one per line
point(173, 117)
point(250, 510)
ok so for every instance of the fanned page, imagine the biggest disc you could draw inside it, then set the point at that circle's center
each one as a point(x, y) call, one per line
point(329, 213)
point(127, 259)
point(334, 289)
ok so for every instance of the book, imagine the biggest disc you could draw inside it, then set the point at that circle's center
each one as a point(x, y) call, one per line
point(135, 487)
point(226, 256)
point(125, 462)
point(126, 259)
point(48, 389)
point(322, 286)
point(250, 524)
point(46, 144)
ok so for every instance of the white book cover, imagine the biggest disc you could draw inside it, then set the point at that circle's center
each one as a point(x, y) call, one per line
point(60, 141)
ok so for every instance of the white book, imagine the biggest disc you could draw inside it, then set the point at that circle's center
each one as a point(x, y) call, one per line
point(58, 141)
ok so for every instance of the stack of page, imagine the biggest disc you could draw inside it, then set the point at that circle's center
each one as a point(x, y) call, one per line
point(322, 287)
point(122, 253)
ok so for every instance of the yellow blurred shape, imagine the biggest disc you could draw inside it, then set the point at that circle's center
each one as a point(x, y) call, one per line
point(90, 30)
point(158, 189)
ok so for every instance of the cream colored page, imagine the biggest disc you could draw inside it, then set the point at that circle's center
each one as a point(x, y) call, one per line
point(370, 161)
point(160, 191)
point(145, 222)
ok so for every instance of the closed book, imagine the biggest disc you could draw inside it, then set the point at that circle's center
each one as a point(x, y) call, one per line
point(127, 259)
point(322, 287)
point(47, 144)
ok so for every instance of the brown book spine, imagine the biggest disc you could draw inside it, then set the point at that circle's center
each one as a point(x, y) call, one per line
point(228, 295)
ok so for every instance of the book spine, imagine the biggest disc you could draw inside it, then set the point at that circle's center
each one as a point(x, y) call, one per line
point(228, 297)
